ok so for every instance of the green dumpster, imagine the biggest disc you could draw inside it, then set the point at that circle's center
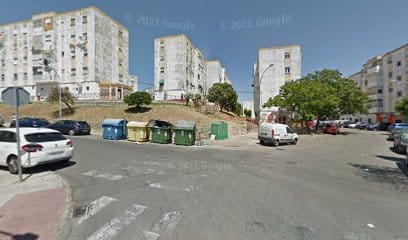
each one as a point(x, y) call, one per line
point(220, 130)
point(161, 131)
point(184, 133)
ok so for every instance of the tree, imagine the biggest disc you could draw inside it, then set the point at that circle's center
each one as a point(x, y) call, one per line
point(247, 113)
point(66, 97)
point(322, 94)
point(223, 94)
point(138, 99)
point(238, 109)
point(402, 107)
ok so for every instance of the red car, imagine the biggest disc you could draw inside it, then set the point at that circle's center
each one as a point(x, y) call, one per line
point(331, 128)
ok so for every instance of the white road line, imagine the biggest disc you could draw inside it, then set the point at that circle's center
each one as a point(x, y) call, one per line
point(107, 176)
point(95, 207)
point(159, 186)
point(112, 228)
point(164, 227)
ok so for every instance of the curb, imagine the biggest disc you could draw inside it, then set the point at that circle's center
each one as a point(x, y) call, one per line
point(64, 227)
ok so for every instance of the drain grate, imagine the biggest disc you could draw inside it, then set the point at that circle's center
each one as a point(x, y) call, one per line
point(79, 211)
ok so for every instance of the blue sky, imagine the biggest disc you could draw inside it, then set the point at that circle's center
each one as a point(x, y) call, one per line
point(336, 34)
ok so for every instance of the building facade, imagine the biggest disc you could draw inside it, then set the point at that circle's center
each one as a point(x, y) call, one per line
point(384, 79)
point(86, 49)
point(248, 105)
point(179, 68)
point(274, 67)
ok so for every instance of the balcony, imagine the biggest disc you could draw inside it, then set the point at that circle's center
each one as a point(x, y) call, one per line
point(373, 70)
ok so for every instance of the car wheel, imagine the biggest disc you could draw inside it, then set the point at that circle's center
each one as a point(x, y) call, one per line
point(12, 165)
point(71, 132)
point(406, 161)
point(262, 142)
point(276, 143)
point(295, 141)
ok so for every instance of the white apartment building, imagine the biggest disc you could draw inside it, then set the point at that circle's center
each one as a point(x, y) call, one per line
point(248, 104)
point(384, 79)
point(87, 49)
point(216, 73)
point(179, 68)
point(275, 66)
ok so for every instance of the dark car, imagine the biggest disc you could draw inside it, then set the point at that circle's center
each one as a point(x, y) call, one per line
point(382, 126)
point(71, 127)
point(401, 140)
point(30, 122)
point(362, 126)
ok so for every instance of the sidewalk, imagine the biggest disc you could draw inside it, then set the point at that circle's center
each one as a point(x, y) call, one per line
point(34, 208)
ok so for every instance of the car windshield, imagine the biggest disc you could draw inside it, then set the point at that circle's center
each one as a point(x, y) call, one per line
point(44, 137)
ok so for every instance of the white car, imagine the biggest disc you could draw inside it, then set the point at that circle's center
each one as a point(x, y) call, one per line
point(38, 146)
point(354, 125)
point(276, 134)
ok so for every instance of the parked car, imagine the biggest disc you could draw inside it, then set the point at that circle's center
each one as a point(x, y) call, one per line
point(38, 146)
point(331, 128)
point(71, 127)
point(354, 125)
point(382, 126)
point(30, 122)
point(401, 140)
point(362, 126)
point(346, 123)
point(276, 134)
point(394, 127)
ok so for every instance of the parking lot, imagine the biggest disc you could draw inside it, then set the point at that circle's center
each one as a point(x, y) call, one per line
point(349, 186)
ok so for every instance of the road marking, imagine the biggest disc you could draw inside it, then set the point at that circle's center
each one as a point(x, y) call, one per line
point(112, 228)
point(159, 186)
point(107, 176)
point(370, 225)
point(95, 207)
point(164, 227)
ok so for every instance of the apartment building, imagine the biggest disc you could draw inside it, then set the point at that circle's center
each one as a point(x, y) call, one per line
point(179, 68)
point(274, 67)
point(384, 79)
point(216, 73)
point(87, 52)
point(248, 105)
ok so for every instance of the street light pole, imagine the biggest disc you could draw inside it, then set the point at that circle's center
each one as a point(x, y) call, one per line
point(259, 86)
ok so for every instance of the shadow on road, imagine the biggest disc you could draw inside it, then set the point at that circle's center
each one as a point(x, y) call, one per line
point(43, 168)
point(26, 236)
point(397, 177)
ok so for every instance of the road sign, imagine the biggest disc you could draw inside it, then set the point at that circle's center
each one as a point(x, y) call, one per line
point(9, 96)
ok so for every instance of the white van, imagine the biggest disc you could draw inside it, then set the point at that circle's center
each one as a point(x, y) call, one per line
point(276, 134)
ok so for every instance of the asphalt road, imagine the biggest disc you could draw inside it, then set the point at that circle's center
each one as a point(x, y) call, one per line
point(349, 187)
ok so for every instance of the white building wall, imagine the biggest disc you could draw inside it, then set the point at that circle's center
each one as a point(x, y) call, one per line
point(248, 104)
point(268, 80)
point(60, 41)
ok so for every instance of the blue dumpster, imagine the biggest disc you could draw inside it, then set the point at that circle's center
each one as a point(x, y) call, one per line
point(114, 129)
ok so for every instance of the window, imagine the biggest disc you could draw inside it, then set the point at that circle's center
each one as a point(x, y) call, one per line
point(6, 136)
point(73, 37)
point(45, 137)
point(399, 94)
point(87, 88)
point(162, 69)
point(287, 55)
point(120, 33)
point(398, 63)
point(3, 63)
point(84, 19)
point(389, 74)
point(379, 91)
point(85, 53)
point(399, 78)
point(63, 71)
point(3, 77)
point(25, 58)
point(72, 22)
point(120, 49)
point(84, 36)
point(85, 71)
point(287, 70)
point(15, 76)
point(25, 76)
point(365, 82)
point(73, 72)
